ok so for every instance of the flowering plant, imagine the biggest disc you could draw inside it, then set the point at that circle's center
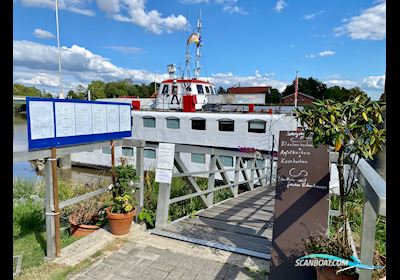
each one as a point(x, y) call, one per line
point(122, 204)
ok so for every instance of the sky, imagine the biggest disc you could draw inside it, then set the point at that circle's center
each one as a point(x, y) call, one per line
point(251, 42)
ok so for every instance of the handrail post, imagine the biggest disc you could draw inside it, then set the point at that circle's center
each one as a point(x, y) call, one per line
point(211, 181)
point(251, 163)
point(368, 230)
point(235, 189)
point(49, 208)
point(139, 193)
point(164, 191)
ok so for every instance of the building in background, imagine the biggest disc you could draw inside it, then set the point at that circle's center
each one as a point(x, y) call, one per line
point(302, 98)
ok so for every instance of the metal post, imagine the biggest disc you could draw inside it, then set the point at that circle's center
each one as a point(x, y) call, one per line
point(139, 194)
point(61, 95)
point(56, 212)
point(368, 229)
point(272, 159)
point(211, 181)
point(164, 191)
point(113, 164)
point(49, 208)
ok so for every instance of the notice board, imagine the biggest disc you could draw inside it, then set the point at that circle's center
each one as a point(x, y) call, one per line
point(301, 203)
point(63, 122)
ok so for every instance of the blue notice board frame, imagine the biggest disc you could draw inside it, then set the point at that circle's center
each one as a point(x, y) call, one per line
point(71, 140)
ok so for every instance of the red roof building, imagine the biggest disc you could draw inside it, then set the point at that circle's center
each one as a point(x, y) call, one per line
point(302, 98)
point(248, 90)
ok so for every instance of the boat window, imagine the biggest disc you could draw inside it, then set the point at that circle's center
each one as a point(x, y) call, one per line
point(173, 123)
point(200, 89)
point(199, 124)
point(207, 89)
point(198, 158)
point(149, 122)
point(165, 89)
point(149, 153)
point(226, 125)
point(213, 89)
point(226, 160)
point(106, 150)
point(127, 151)
point(257, 126)
point(174, 89)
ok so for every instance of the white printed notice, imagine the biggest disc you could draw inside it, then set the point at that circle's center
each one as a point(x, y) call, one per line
point(99, 118)
point(166, 156)
point(112, 118)
point(83, 119)
point(65, 119)
point(163, 176)
point(41, 119)
point(124, 118)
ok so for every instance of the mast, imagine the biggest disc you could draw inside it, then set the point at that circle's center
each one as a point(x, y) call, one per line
point(198, 45)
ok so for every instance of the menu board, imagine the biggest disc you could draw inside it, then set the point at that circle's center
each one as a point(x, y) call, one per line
point(54, 123)
point(99, 116)
point(124, 118)
point(112, 118)
point(301, 203)
point(41, 121)
point(83, 119)
point(65, 119)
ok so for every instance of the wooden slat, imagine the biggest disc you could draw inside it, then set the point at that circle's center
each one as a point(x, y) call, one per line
point(224, 217)
point(232, 239)
point(220, 225)
point(248, 210)
point(265, 216)
point(258, 225)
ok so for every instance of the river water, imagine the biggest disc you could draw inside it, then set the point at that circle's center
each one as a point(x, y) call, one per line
point(26, 170)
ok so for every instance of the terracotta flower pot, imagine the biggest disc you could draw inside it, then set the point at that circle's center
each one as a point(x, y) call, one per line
point(120, 224)
point(81, 230)
point(329, 273)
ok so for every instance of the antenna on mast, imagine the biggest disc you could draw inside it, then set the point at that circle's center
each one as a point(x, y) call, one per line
point(198, 45)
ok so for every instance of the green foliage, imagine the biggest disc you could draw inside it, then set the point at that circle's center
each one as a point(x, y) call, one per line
point(97, 90)
point(90, 211)
point(308, 86)
point(125, 175)
point(148, 217)
point(122, 204)
point(273, 97)
point(29, 91)
point(27, 217)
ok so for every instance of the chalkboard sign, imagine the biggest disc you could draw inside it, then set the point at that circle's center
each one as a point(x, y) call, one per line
point(63, 122)
point(301, 203)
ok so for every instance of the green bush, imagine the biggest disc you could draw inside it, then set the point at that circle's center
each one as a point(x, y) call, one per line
point(28, 217)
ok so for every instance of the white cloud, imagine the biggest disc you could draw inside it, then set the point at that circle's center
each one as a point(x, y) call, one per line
point(42, 34)
point(374, 82)
point(75, 6)
point(310, 56)
point(134, 11)
point(312, 16)
point(229, 6)
point(326, 53)
point(370, 25)
point(280, 5)
point(124, 49)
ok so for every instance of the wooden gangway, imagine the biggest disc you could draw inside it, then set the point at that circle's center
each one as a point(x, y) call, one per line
point(242, 224)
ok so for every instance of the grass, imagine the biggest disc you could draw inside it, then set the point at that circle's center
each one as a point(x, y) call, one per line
point(29, 236)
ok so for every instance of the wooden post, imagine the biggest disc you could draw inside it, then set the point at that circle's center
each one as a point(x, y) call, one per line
point(251, 163)
point(56, 212)
point(235, 188)
point(211, 181)
point(50, 228)
point(164, 191)
point(139, 193)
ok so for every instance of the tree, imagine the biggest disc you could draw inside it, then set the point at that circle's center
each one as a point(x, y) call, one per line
point(273, 97)
point(353, 128)
point(308, 86)
point(26, 91)
point(76, 95)
point(97, 89)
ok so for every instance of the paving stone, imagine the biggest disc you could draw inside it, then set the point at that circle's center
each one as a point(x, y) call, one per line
point(116, 259)
point(125, 249)
point(211, 267)
point(134, 251)
point(192, 263)
point(176, 273)
point(173, 258)
point(155, 273)
point(236, 273)
point(205, 276)
point(100, 271)
point(164, 266)
point(80, 277)
point(189, 275)
point(147, 256)
point(157, 251)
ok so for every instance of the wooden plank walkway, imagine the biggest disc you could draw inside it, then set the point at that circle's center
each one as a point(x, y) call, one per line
point(241, 224)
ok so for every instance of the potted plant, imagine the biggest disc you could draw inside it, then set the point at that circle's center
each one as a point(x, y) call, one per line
point(121, 211)
point(84, 218)
point(354, 129)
